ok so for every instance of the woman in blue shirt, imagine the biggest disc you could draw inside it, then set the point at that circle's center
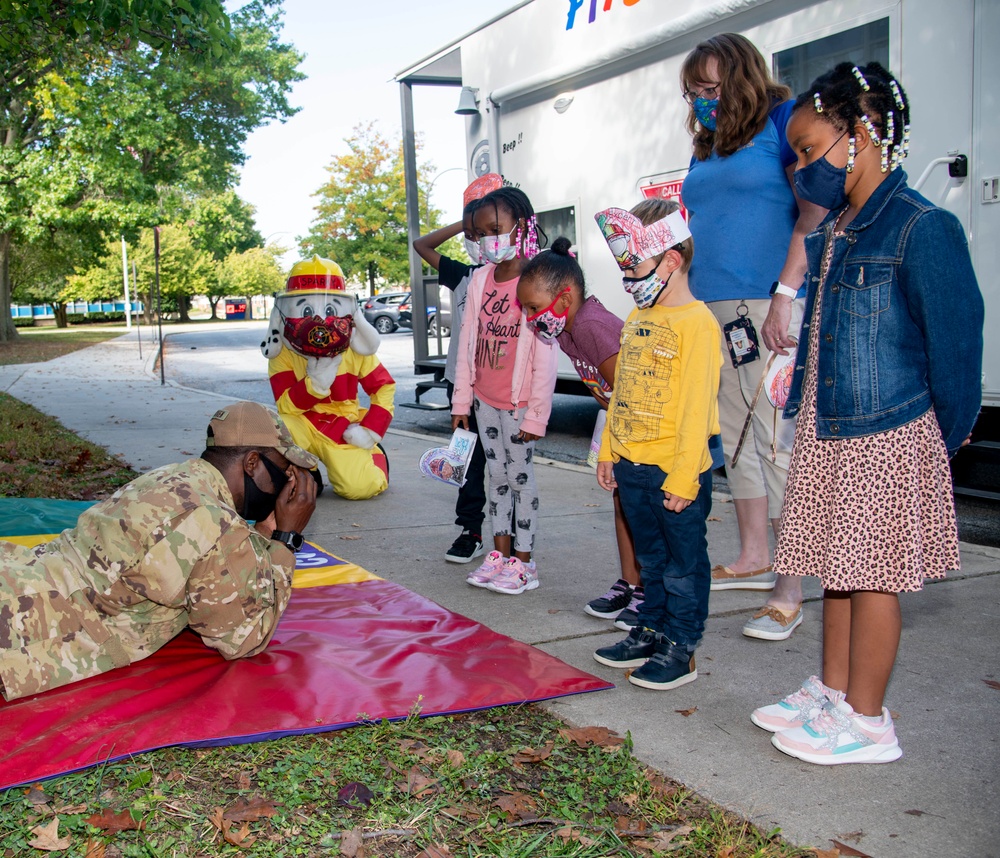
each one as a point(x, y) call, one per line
point(748, 227)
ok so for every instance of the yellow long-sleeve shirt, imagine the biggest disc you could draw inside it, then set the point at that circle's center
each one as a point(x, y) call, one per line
point(664, 407)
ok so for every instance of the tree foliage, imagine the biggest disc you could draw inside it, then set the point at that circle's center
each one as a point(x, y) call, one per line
point(361, 214)
point(138, 96)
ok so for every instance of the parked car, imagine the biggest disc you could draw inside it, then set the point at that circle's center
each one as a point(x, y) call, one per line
point(434, 316)
point(383, 311)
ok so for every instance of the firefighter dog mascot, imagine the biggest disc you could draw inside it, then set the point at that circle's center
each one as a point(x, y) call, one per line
point(319, 350)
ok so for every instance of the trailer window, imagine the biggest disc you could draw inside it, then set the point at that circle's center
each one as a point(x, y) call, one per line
point(799, 66)
point(557, 222)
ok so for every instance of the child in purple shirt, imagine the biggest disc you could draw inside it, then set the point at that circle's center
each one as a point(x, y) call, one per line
point(552, 292)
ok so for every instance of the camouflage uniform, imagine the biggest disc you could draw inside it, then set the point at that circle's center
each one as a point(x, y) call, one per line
point(165, 552)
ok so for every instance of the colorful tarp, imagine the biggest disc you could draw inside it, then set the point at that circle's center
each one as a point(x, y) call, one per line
point(343, 653)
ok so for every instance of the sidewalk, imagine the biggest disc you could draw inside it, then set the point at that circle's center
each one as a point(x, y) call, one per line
point(940, 799)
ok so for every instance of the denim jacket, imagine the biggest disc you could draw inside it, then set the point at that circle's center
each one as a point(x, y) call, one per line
point(901, 328)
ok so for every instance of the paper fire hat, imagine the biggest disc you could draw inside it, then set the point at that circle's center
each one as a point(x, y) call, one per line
point(632, 242)
point(315, 275)
point(482, 186)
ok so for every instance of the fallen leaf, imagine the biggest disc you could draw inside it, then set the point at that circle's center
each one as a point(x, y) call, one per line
point(243, 810)
point(849, 850)
point(584, 737)
point(726, 852)
point(355, 794)
point(714, 518)
point(241, 839)
point(661, 840)
point(36, 795)
point(418, 784)
point(352, 843)
point(662, 788)
point(915, 812)
point(853, 836)
point(243, 781)
point(435, 851)
point(47, 837)
point(456, 758)
point(355, 524)
point(348, 538)
point(533, 755)
point(70, 809)
point(687, 712)
point(992, 683)
point(591, 504)
point(94, 849)
point(517, 804)
point(215, 817)
point(827, 853)
point(109, 820)
point(175, 775)
point(568, 833)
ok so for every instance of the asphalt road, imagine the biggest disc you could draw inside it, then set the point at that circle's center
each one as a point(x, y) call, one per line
point(229, 362)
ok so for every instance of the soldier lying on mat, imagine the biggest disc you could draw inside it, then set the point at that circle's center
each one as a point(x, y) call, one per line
point(172, 549)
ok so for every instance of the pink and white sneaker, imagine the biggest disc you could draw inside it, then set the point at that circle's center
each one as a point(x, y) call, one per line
point(515, 577)
point(797, 708)
point(488, 570)
point(838, 734)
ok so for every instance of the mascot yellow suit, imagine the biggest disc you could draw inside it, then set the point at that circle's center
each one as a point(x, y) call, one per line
point(319, 350)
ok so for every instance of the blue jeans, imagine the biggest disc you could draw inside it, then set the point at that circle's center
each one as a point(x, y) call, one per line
point(672, 551)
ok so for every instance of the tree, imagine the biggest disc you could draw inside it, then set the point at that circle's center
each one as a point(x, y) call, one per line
point(252, 272)
point(102, 109)
point(361, 214)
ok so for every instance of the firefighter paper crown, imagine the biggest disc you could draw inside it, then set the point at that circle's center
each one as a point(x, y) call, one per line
point(632, 242)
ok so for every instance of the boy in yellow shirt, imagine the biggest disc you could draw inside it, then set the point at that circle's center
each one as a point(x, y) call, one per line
point(655, 445)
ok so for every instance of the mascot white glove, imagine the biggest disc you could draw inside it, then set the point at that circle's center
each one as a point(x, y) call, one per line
point(361, 436)
point(322, 371)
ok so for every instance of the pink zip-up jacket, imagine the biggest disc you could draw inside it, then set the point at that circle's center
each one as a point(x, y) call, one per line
point(534, 379)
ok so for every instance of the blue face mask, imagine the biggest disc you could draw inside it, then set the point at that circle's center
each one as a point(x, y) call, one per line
point(704, 111)
point(821, 183)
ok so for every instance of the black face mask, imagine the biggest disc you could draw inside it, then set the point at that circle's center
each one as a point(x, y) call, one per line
point(258, 504)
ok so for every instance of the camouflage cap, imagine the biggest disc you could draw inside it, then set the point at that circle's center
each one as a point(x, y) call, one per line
point(250, 424)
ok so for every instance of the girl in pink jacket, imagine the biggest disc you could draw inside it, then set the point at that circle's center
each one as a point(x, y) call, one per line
point(508, 375)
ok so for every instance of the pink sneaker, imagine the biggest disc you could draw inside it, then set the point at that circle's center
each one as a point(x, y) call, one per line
point(839, 735)
point(797, 708)
point(515, 577)
point(490, 568)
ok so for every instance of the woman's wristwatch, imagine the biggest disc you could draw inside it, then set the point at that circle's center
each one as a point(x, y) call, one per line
point(779, 288)
point(290, 538)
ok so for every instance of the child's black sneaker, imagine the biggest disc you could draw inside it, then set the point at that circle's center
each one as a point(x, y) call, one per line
point(631, 652)
point(612, 602)
point(628, 619)
point(669, 667)
point(465, 548)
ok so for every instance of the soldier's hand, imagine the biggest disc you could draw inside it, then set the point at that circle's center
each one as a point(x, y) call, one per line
point(296, 501)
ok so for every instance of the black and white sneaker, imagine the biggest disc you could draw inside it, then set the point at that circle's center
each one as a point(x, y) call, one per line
point(611, 603)
point(628, 619)
point(468, 546)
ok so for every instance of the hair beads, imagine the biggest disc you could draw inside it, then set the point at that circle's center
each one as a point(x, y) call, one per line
point(861, 79)
point(852, 150)
point(817, 103)
point(896, 94)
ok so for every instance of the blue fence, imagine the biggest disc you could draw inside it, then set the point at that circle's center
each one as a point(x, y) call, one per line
point(44, 311)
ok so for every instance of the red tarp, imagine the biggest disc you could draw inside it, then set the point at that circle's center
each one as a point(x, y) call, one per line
point(341, 654)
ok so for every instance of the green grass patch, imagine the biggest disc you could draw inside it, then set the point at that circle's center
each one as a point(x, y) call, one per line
point(507, 782)
point(36, 345)
point(40, 458)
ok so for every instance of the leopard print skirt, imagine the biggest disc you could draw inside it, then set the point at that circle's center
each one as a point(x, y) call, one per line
point(871, 513)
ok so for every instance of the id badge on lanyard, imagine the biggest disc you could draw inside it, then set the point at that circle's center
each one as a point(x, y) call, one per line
point(741, 337)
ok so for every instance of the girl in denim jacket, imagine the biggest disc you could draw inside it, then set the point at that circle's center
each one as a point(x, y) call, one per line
point(888, 383)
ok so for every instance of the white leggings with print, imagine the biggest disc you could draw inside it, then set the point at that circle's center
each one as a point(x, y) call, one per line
point(512, 477)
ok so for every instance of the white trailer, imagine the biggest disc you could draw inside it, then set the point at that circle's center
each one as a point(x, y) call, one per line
point(578, 102)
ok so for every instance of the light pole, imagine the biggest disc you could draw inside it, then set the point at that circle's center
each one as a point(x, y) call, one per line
point(430, 187)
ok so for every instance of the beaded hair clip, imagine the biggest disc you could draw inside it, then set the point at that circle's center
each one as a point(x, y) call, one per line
point(530, 235)
point(817, 103)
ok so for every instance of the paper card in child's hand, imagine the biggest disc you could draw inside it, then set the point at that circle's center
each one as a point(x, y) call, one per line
point(450, 464)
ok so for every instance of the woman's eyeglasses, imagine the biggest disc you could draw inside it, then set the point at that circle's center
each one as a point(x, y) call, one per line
point(709, 93)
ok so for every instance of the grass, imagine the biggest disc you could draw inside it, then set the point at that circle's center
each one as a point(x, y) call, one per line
point(512, 782)
point(36, 345)
point(506, 782)
point(41, 458)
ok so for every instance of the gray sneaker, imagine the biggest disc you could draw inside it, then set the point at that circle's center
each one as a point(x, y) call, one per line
point(770, 624)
